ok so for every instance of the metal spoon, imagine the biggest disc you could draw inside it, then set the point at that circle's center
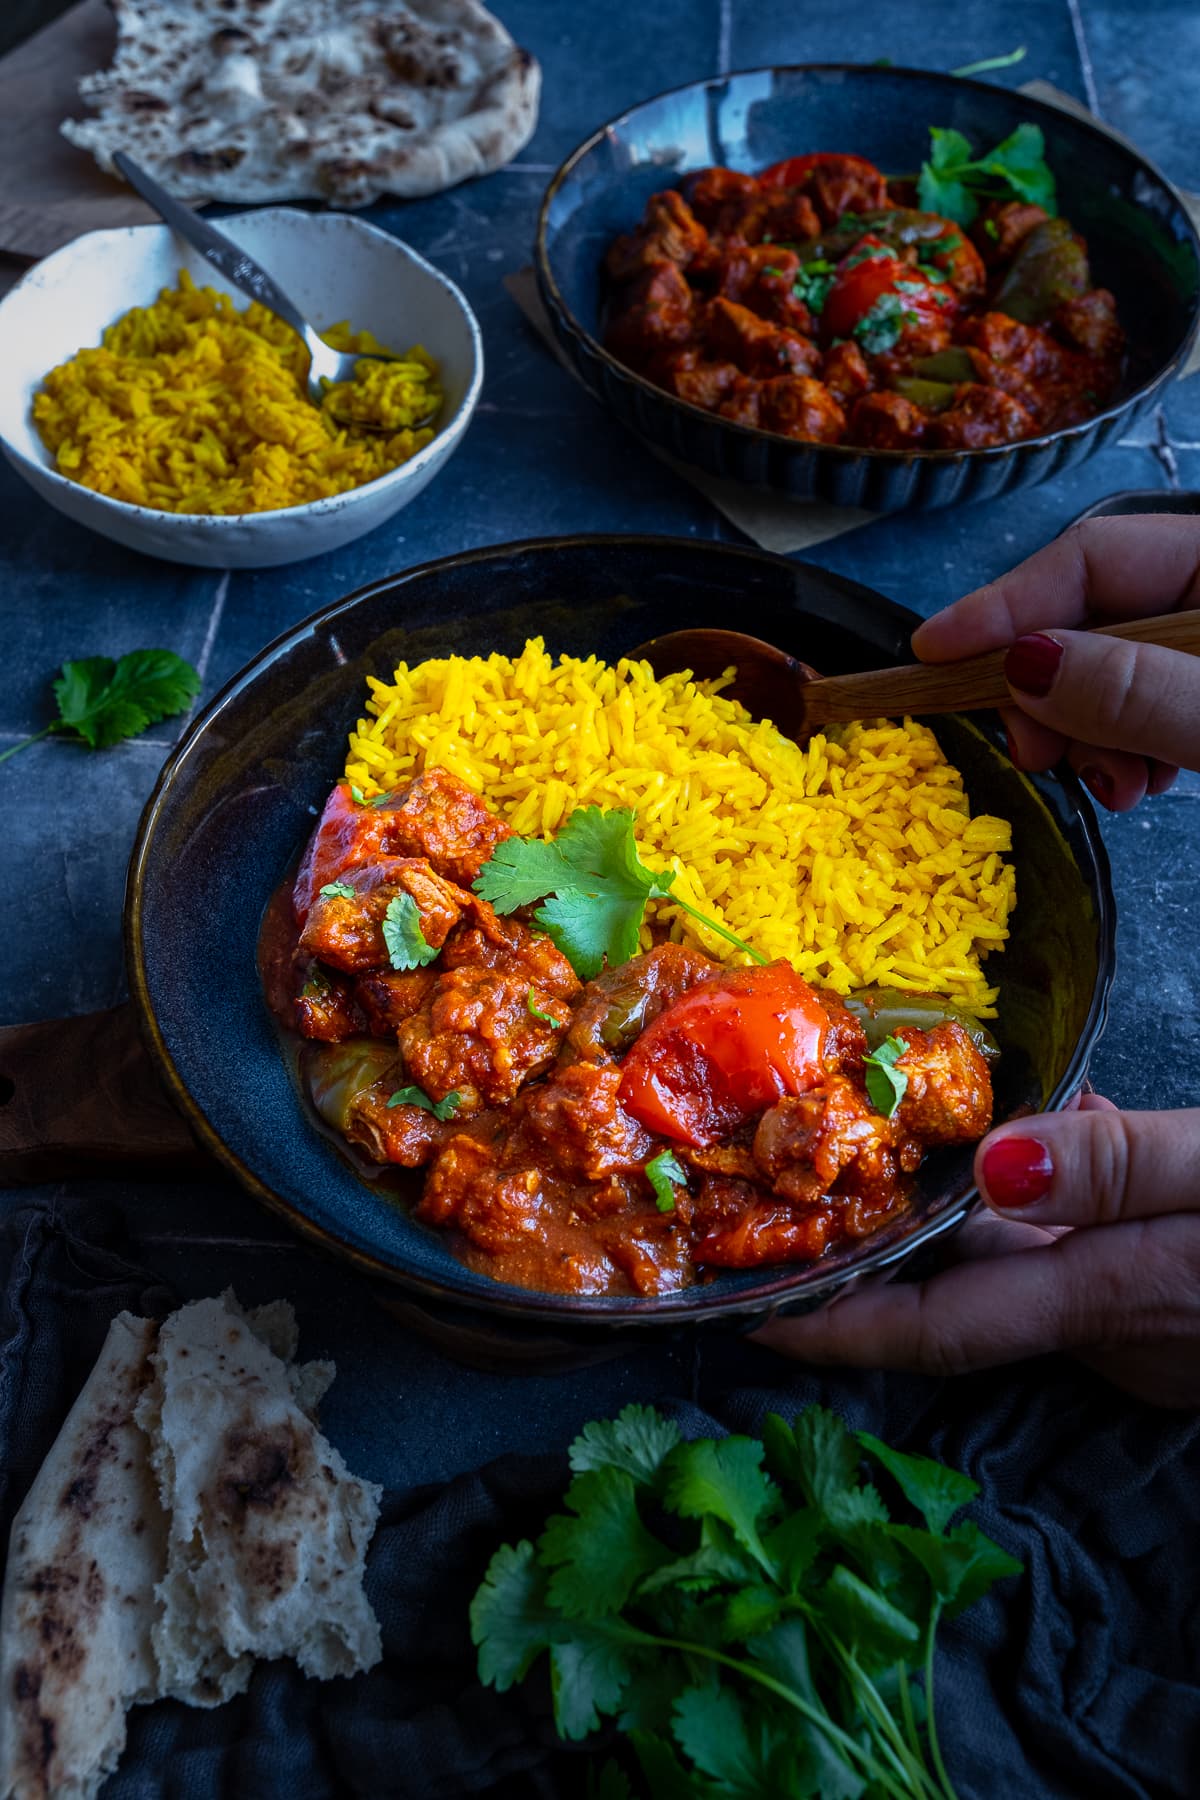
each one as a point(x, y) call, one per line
point(773, 685)
point(326, 365)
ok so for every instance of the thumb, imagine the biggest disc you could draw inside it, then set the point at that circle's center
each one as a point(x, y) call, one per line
point(1106, 691)
point(1094, 1167)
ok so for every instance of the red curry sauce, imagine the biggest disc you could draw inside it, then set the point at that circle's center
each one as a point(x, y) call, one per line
point(557, 1095)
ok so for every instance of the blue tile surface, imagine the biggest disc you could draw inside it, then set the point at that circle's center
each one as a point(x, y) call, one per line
point(542, 458)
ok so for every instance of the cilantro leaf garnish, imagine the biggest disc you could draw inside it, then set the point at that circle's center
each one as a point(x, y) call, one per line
point(595, 887)
point(665, 1174)
point(880, 328)
point(402, 934)
point(535, 1012)
point(102, 702)
point(886, 1084)
point(813, 282)
point(753, 1631)
point(867, 253)
point(441, 1109)
point(340, 890)
point(953, 182)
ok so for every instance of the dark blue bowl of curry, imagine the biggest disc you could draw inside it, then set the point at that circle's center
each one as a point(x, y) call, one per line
point(239, 797)
point(751, 273)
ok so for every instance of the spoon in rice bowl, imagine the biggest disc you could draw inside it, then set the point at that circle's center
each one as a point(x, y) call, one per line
point(773, 685)
point(327, 367)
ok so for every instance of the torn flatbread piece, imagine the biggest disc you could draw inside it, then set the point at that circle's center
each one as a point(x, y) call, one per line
point(338, 100)
point(268, 1528)
point(189, 1518)
point(87, 1547)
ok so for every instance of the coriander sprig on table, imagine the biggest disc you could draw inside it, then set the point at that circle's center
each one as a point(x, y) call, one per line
point(749, 1612)
point(102, 701)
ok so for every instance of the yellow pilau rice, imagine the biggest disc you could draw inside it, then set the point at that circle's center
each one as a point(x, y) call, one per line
point(856, 858)
point(191, 406)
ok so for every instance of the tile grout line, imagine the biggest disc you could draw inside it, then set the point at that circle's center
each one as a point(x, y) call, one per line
point(724, 36)
point(214, 622)
point(1085, 58)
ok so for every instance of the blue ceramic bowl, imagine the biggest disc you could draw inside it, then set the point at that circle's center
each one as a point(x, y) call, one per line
point(237, 799)
point(1143, 246)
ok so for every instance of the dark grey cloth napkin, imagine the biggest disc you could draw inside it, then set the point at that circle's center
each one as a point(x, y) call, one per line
point(1081, 1679)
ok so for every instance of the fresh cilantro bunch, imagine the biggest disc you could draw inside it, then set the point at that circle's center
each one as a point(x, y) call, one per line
point(953, 182)
point(749, 1613)
point(595, 887)
point(100, 701)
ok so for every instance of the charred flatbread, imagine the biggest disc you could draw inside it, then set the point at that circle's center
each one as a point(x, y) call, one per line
point(189, 1518)
point(340, 100)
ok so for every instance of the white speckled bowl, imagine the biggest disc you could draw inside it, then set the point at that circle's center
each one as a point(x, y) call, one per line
point(334, 266)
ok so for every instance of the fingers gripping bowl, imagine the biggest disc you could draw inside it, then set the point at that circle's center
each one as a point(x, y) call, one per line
point(257, 769)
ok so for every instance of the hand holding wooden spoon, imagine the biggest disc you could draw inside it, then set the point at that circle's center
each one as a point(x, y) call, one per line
point(1125, 716)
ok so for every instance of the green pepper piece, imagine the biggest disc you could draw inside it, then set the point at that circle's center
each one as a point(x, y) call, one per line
point(887, 1012)
point(946, 365)
point(905, 225)
point(1050, 266)
point(335, 1073)
point(623, 1022)
point(931, 396)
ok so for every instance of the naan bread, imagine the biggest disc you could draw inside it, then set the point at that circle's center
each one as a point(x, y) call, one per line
point(268, 1528)
point(340, 100)
point(189, 1518)
point(87, 1547)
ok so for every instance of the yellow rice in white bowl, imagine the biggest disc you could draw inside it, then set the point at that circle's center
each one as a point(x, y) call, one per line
point(856, 858)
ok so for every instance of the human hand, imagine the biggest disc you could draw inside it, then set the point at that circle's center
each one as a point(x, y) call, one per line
point(1125, 715)
point(1090, 1244)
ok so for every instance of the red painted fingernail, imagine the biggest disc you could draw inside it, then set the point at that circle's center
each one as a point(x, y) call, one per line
point(1100, 782)
point(1017, 1171)
point(1013, 758)
point(1032, 663)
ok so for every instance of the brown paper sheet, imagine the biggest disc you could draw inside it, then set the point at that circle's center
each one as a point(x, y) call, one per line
point(52, 191)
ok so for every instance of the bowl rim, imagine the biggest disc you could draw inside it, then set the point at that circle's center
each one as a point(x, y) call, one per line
point(783, 1284)
point(328, 504)
point(569, 323)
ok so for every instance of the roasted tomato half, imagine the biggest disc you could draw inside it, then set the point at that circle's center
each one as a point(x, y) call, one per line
point(726, 1050)
point(884, 303)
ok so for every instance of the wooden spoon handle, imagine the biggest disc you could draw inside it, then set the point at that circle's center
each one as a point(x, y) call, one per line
point(978, 681)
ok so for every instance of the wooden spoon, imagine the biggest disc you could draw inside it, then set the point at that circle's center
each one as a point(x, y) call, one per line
point(773, 685)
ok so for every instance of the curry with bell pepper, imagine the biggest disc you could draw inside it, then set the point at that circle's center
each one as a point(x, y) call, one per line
point(628, 1135)
point(816, 301)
